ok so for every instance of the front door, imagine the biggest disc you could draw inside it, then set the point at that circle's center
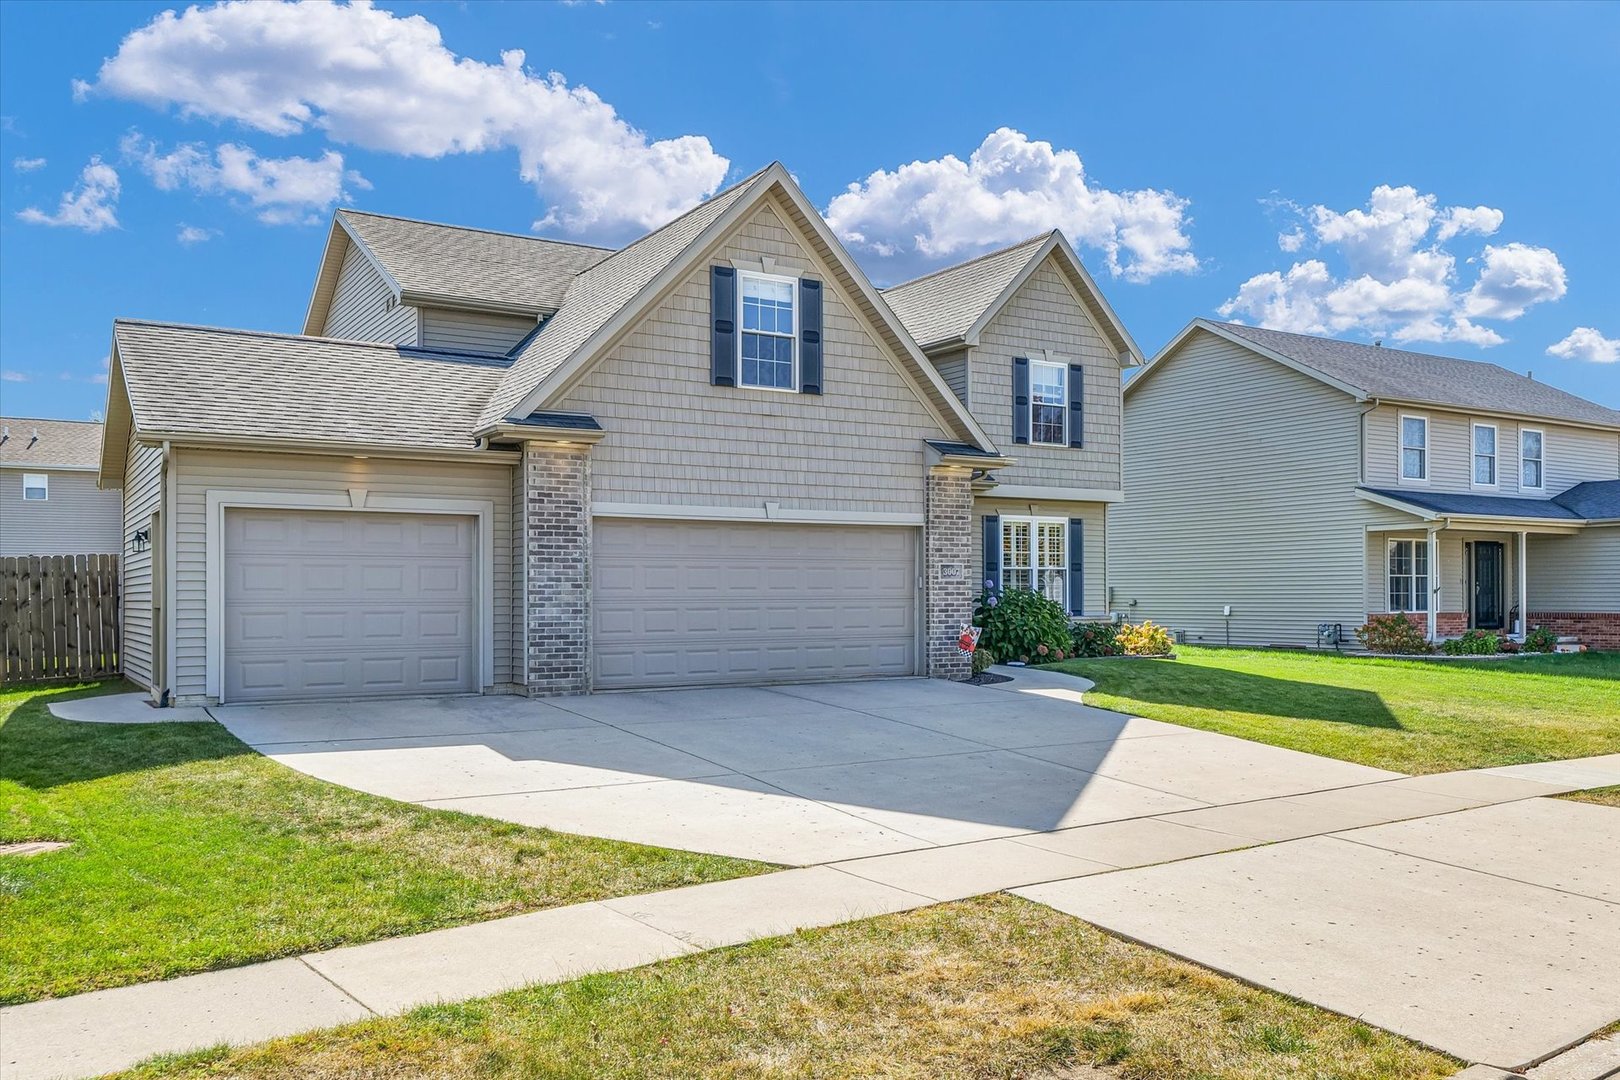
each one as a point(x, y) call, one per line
point(1488, 562)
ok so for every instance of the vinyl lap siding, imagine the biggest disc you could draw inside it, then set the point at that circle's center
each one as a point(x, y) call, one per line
point(953, 367)
point(1095, 516)
point(675, 439)
point(143, 497)
point(1576, 573)
point(473, 331)
point(363, 307)
point(77, 518)
point(1569, 454)
point(1045, 314)
point(200, 471)
point(1240, 480)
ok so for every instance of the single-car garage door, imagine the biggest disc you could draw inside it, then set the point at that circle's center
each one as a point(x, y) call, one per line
point(347, 604)
point(687, 603)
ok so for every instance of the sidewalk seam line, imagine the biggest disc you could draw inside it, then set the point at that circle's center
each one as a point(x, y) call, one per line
point(304, 959)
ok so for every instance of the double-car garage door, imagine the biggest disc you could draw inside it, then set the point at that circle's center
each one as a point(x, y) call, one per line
point(348, 604)
point(688, 603)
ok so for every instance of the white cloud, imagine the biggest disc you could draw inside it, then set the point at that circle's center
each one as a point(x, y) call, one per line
point(1011, 188)
point(368, 78)
point(1399, 279)
point(284, 191)
point(91, 204)
point(12, 376)
point(1585, 343)
point(28, 164)
point(194, 234)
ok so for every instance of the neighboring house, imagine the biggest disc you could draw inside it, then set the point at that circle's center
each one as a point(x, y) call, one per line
point(49, 501)
point(503, 464)
point(1025, 339)
point(1279, 481)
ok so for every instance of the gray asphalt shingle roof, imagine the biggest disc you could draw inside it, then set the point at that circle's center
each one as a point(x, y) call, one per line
point(199, 380)
point(27, 441)
point(1420, 377)
point(598, 294)
point(1594, 500)
point(942, 306)
point(1471, 505)
point(473, 265)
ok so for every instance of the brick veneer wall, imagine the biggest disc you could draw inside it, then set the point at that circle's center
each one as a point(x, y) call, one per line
point(557, 569)
point(1595, 629)
point(1448, 623)
point(947, 572)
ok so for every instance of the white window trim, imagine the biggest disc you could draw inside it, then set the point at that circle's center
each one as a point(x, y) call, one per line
point(1035, 522)
point(1401, 448)
point(355, 499)
point(792, 335)
point(1495, 455)
point(38, 480)
point(1540, 460)
point(1389, 574)
point(1063, 407)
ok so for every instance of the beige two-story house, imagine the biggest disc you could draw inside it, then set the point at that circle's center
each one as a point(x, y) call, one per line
point(499, 463)
point(1028, 343)
point(1280, 483)
point(50, 503)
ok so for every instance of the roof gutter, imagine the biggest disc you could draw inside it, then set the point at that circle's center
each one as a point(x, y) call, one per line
point(1500, 414)
point(423, 298)
point(555, 433)
point(324, 447)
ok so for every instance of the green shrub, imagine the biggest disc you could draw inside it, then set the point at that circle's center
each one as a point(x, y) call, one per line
point(1094, 639)
point(1540, 639)
point(1022, 625)
point(1472, 643)
point(982, 659)
point(1145, 639)
point(1393, 634)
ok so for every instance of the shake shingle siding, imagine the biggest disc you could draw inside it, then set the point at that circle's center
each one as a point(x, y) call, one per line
point(363, 307)
point(1239, 489)
point(675, 439)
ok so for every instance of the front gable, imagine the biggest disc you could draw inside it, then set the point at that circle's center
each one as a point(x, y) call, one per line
point(674, 438)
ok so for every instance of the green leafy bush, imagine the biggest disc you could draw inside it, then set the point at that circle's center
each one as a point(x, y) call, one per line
point(1022, 625)
point(1472, 643)
point(1094, 639)
point(982, 659)
point(1144, 639)
point(1540, 639)
point(1393, 634)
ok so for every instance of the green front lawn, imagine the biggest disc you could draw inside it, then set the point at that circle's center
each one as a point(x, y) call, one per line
point(1413, 716)
point(992, 987)
point(190, 852)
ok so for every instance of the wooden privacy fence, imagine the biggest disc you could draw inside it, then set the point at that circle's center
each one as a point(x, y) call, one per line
point(59, 616)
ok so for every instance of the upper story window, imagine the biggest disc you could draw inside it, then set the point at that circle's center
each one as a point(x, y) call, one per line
point(1484, 455)
point(1414, 447)
point(36, 487)
point(1048, 403)
point(1530, 472)
point(768, 332)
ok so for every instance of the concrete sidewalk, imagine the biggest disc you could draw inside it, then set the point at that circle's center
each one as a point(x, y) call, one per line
point(112, 1029)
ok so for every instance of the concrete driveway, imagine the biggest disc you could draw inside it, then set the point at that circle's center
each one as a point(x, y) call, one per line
point(793, 774)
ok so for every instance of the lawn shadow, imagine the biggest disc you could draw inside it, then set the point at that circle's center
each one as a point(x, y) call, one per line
point(41, 751)
point(1171, 682)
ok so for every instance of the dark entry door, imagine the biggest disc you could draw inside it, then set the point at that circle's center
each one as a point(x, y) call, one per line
point(1488, 559)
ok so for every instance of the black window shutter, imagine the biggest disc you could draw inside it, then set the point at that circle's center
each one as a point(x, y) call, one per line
point(992, 551)
point(1020, 416)
point(809, 336)
point(1077, 398)
point(723, 312)
point(1077, 566)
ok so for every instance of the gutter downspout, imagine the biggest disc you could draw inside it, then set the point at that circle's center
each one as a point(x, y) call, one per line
point(1434, 581)
point(171, 618)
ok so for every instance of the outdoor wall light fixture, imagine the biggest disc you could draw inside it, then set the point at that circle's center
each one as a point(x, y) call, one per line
point(141, 540)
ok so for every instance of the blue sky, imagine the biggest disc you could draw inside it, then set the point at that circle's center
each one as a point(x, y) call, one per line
point(1441, 177)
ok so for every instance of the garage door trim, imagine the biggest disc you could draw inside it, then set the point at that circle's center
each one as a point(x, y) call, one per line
point(354, 500)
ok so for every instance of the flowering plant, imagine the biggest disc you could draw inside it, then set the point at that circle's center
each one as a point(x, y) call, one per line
point(1021, 625)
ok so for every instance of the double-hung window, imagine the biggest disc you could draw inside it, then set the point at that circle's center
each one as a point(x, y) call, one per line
point(1530, 472)
point(1408, 575)
point(1035, 556)
point(36, 487)
point(768, 332)
point(1048, 403)
point(1414, 447)
point(1484, 455)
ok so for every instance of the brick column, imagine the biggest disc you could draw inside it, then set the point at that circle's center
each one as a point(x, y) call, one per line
point(556, 569)
point(947, 571)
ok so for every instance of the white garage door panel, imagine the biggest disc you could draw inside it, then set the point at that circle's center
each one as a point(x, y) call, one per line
point(685, 603)
point(334, 604)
